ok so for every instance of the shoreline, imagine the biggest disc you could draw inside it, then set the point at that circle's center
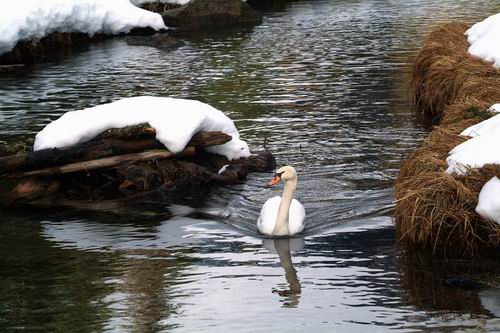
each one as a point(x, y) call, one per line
point(436, 210)
point(27, 52)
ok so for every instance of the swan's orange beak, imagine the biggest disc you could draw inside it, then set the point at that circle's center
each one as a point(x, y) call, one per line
point(276, 179)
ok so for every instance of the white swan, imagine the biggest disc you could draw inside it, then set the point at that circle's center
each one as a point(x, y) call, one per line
point(282, 216)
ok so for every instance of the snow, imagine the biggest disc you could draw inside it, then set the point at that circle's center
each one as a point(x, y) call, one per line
point(483, 38)
point(174, 2)
point(175, 121)
point(474, 153)
point(490, 124)
point(488, 206)
point(481, 149)
point(223, 169)
point(34, 19)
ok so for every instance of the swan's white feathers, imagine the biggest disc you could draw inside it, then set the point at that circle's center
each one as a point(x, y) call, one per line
point(269, 214)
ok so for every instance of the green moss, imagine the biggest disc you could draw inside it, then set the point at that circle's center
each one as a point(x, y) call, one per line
point(475, 112)
point(12, 148)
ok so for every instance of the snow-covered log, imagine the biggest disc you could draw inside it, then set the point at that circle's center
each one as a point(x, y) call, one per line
point(132, 140)
point(132, 146)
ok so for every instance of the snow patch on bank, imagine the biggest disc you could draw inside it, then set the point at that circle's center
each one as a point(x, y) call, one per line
point(175, 121)
point(481, 149)
point(484, 40)
point(173, 2)
point(491, 124)
point(488, 206)
point(474, 153)
point(34, 19)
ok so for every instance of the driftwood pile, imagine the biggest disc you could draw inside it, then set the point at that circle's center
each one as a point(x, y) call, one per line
point(119, 164)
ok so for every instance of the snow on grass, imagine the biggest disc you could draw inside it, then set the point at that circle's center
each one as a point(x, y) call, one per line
point(481, 149)
point(474, 153)
point(488, 206)
point(175, 121)
point(34, 19)
point(484, 39)
point(488, 125)
point(173, 2)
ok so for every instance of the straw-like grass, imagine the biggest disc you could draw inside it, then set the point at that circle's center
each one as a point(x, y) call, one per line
point(444, 71)
point(434, 209)
point(437, 210)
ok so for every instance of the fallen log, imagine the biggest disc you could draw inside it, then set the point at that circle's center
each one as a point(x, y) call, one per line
point(160, 181)
point(106, 145)
point(103, 163)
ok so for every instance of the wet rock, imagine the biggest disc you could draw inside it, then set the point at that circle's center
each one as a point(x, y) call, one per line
point(56, 43)
point(202, 14)
point(269, 4)
point(143, 31)
point(160, 41)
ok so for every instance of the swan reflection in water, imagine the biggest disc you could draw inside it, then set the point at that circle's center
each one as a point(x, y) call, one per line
point(283, 248)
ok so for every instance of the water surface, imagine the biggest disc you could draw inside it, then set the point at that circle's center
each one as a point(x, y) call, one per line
point(324, 83)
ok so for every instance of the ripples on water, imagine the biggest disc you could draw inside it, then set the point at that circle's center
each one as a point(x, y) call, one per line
point(325, 83)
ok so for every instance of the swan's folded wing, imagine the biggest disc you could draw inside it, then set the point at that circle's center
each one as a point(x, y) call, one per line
point(296, 218)
point(268, 215)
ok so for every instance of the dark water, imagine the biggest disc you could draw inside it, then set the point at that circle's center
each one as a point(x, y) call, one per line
point(325, 83)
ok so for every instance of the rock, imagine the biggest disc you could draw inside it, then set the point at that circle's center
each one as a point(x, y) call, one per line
point(54, 44)
point(143, 31)
point(202, 14)
point(269, 4)
point(160, 41)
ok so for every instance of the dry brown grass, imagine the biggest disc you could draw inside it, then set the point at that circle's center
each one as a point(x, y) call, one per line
point(434, 209)
point(437, 210)
point(444, 71)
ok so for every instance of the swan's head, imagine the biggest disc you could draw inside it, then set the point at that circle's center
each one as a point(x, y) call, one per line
point(283, 174)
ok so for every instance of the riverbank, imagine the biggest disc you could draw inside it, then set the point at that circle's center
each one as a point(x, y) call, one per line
point(30, 42)
point(436, 209)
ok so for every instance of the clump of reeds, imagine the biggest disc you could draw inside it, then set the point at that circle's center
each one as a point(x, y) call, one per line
point(435, 209)
point(444, 71)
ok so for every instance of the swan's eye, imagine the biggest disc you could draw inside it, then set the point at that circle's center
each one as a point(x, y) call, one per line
point(278, 174)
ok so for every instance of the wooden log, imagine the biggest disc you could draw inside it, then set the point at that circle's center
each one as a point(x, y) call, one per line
point(11, 68)
point(134, 183)
point(103, 163)
point(99, 148)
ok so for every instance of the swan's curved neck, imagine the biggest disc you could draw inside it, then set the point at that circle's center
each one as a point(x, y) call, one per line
point(281, 226)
